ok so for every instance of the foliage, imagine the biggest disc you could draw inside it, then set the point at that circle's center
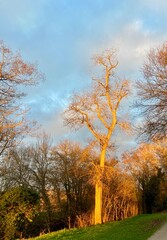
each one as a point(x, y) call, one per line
point(39, 225)
point(139, 228)
point(18, 206)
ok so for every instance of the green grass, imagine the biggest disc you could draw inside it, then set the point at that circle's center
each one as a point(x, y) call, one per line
point(136, 228)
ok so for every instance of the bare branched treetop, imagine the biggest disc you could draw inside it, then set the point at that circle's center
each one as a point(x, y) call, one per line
point(153, 94)
point(14, 72)
point(97, 107)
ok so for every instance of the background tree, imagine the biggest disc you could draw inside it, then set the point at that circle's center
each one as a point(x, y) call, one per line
point(40, 165)
point(146, 168)
point(14, 73)
point(97, 109)
point(153, 94)
point(161, 152)
point(119, 193)
point(14, 169)
point(70, 177)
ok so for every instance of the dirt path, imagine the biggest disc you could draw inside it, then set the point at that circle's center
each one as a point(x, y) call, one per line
point(161, 234)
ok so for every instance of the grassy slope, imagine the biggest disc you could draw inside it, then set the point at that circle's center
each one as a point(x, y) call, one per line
point(138, 228)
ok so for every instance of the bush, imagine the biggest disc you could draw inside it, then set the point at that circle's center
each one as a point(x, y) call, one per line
point(18, 206)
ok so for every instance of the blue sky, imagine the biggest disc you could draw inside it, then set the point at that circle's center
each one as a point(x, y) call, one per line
point(62, 35)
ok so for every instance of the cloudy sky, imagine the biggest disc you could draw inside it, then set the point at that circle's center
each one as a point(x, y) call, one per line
point(62, 35)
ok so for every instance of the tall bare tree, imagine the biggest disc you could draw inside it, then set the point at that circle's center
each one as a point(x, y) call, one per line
point(97, 109)
point(152, 91)
point(14, 72)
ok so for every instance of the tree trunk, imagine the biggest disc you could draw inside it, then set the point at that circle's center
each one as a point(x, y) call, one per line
point(98, 202)
point(47, 207)
point(98, 190)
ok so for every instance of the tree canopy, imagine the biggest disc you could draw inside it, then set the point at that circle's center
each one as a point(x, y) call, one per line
point(152, 92)
point(14, 73)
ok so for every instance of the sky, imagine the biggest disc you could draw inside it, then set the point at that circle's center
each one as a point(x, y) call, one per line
point(62, 36)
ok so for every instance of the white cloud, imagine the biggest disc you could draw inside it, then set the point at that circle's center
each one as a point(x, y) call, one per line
point(158, 5)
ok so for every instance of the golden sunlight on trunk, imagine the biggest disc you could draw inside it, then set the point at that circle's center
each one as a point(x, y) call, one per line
point(98, 190)
point(98, 202)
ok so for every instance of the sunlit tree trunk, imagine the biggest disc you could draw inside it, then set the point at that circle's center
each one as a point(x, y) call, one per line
point(98, 190)
point(98, 202)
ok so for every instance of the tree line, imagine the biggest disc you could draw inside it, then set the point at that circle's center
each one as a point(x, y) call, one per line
point(69, 184)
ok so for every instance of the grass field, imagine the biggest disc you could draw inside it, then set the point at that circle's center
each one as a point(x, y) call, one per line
point(137, 228)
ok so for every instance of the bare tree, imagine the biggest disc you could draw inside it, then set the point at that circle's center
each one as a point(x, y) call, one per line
point(71, 178)
point(97, 109)
point(14, 169)
point(14, 73)
point(146, 165)
point(153, 94)
point(40, 165)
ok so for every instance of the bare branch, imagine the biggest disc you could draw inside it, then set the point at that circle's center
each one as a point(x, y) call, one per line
point(153, 94)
